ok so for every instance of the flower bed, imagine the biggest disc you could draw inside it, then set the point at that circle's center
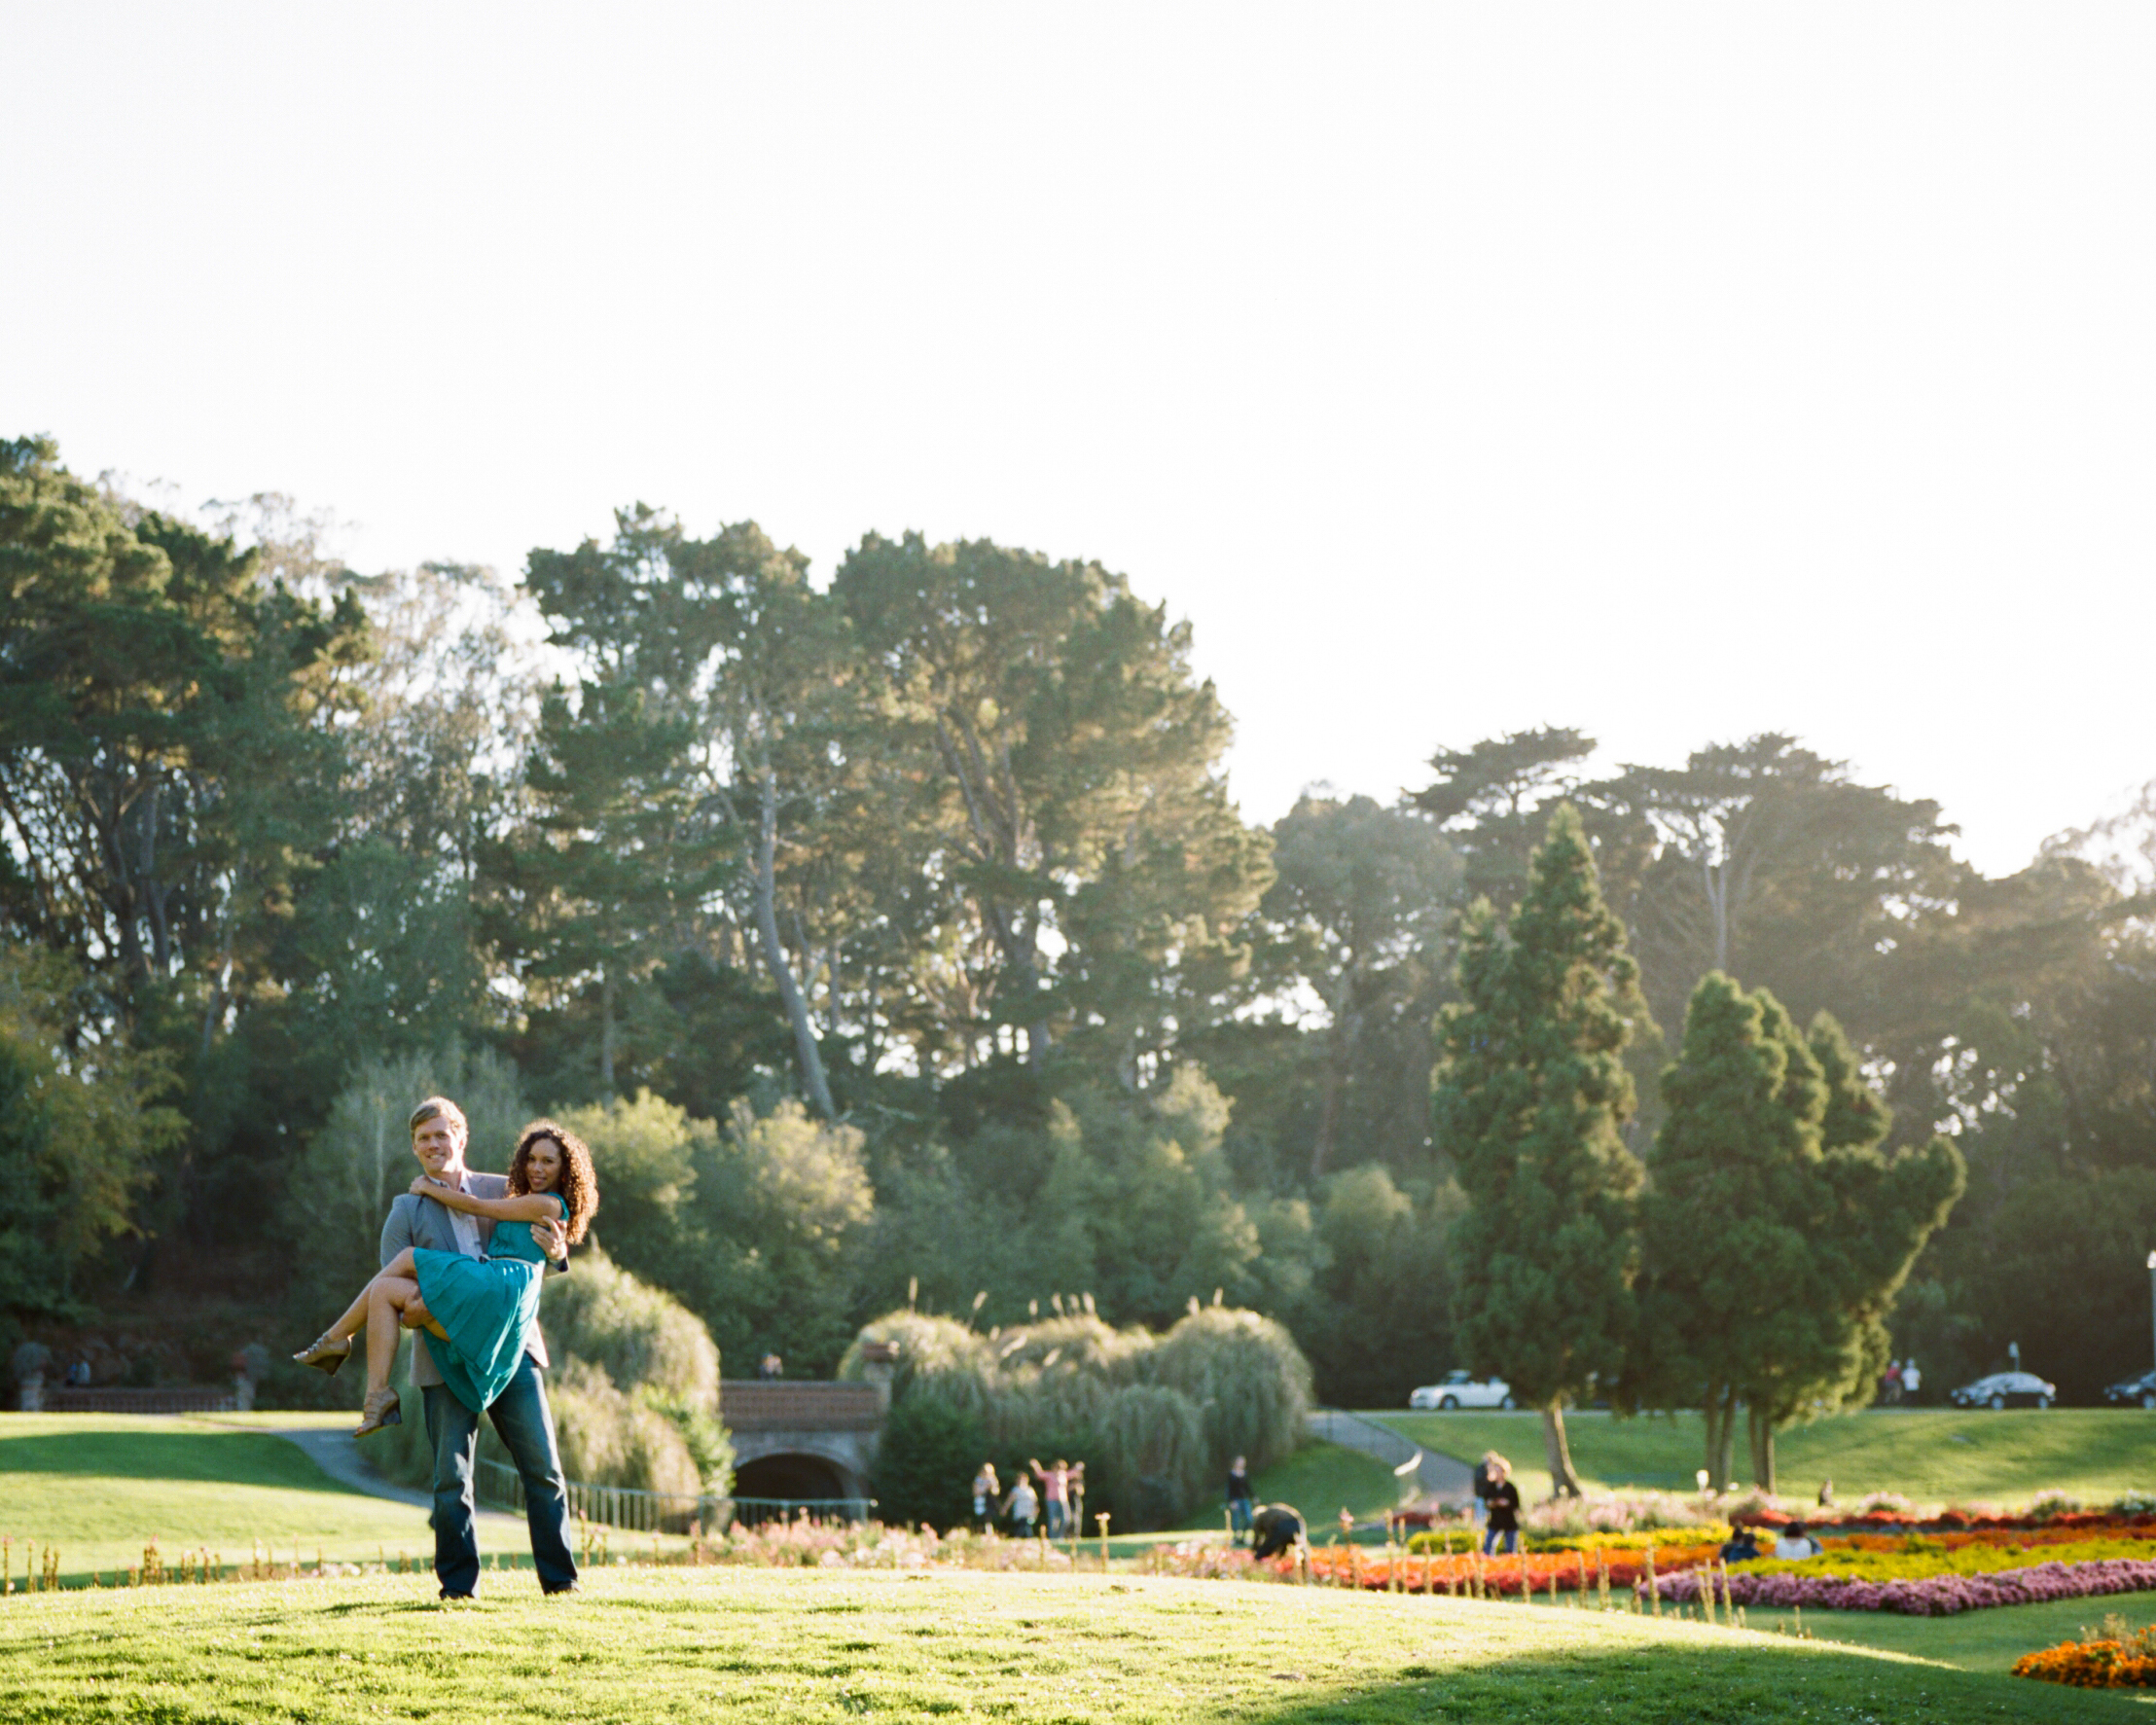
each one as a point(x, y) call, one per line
point(2089, 1664)
point(2118, 1659)
point(1933, 1596)
point(1566, 1571)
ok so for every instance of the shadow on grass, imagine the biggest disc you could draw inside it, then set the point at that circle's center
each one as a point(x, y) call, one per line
point(1722, 1678)
point(221, 1457)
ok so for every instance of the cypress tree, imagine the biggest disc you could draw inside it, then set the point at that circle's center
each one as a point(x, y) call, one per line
point(1531, 1098)
point(1868, 1213)
point(1777, 1231)
point(1721, 1241)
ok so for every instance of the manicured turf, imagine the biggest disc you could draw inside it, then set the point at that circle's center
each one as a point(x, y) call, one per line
point(675, 1646)
point(1322, 1478)
point(1974, 1640)
point(98, 1485)
point(1928, 1455)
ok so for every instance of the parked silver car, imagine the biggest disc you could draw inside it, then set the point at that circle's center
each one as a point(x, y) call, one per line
point(2006, 1390)
point(1463, 1389)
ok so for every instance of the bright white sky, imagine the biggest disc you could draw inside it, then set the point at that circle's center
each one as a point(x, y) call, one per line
point(1674, 371)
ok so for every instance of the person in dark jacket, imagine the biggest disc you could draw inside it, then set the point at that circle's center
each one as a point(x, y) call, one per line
point(1504, 1509)
point(1742, 1547)
point(1276, 1526)
point(1239, 1500)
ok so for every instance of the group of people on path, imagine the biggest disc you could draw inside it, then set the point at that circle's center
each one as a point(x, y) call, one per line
point(1901, 1383)
point(462, 1256)
point(1058, 1508)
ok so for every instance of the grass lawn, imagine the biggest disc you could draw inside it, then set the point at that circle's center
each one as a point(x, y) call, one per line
point(1974, 1640)
point(717, 1645)
point(1318, 1478)
point(1929, 1455)
point(1322, 1478)
point(99, 1486)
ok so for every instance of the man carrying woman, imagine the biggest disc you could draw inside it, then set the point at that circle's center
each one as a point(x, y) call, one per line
point(462, 1255)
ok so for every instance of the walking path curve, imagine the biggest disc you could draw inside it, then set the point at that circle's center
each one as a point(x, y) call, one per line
point(337, 1454)
point(1448, 1481)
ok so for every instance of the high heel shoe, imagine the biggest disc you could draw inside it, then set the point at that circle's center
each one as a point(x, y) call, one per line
point(326, 1354)
point(378, 1411)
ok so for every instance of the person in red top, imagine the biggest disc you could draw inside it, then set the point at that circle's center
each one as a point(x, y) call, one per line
point(1055, 1494)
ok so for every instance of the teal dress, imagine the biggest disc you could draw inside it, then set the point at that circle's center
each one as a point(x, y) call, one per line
point(487, 1305)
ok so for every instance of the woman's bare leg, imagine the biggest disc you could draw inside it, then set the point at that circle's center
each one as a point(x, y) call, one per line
point(386, 1298)
point(355, 1315)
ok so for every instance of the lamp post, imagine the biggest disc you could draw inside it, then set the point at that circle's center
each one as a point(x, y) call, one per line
point(2152, 1290)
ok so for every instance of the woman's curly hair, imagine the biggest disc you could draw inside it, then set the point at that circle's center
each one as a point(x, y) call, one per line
point(580, 1185)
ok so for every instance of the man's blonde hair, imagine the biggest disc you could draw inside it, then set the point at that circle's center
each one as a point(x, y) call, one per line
point(440, 1107)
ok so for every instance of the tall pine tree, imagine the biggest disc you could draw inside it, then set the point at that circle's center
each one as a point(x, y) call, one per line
point(1531, 1098)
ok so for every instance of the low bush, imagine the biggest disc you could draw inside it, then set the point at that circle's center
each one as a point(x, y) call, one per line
point(925, 1463)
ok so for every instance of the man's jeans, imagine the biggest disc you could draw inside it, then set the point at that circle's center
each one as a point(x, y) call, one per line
point(1508, 1538)
point(526, 1426)
point(1239, 1516)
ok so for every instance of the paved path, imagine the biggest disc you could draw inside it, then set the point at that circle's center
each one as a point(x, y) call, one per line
point(337, 1454)
point(1440, 1477)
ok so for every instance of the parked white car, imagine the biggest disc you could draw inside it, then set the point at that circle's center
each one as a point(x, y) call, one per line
point(1462, 1389)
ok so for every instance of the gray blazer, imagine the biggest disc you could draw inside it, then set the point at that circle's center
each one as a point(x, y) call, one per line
point(415, 1221)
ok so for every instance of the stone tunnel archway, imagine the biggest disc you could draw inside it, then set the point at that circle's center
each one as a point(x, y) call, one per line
point(789, 1474)
point(801, 1442)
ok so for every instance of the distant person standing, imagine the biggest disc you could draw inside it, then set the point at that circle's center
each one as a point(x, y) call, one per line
point(1890, 1386)
point(1912, 1379)
point(1239, 1500)
point(1074, 1489)
point(1486, 1476)
point(986, 1486)
point(1055, 1494)
point(1022, 1507)
point(1504, 1509)
point(770, 1368)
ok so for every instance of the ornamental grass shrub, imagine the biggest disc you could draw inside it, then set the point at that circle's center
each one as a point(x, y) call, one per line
point(642, 1335)
point(938, 1360)
point(1251, 1382)
point(1156, 1419)
point(612, 1438)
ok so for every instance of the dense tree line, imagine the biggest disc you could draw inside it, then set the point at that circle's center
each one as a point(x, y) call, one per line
point(902, 930)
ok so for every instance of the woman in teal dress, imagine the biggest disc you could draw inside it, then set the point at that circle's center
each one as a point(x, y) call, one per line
point(480, 1310)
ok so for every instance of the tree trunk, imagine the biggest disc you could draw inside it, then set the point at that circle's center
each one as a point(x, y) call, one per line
point(1726, 1461)
point(1710, 1416)
point(1762, 1449)
point(1559, 1454)
point(607, 1031)
point(1715, 1412)
point(775, 955)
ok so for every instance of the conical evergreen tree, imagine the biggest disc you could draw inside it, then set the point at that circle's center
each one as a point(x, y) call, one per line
point(1532, 1096)
point(1722, 1241)
point(1867, 1216)
point(1777, 1233)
